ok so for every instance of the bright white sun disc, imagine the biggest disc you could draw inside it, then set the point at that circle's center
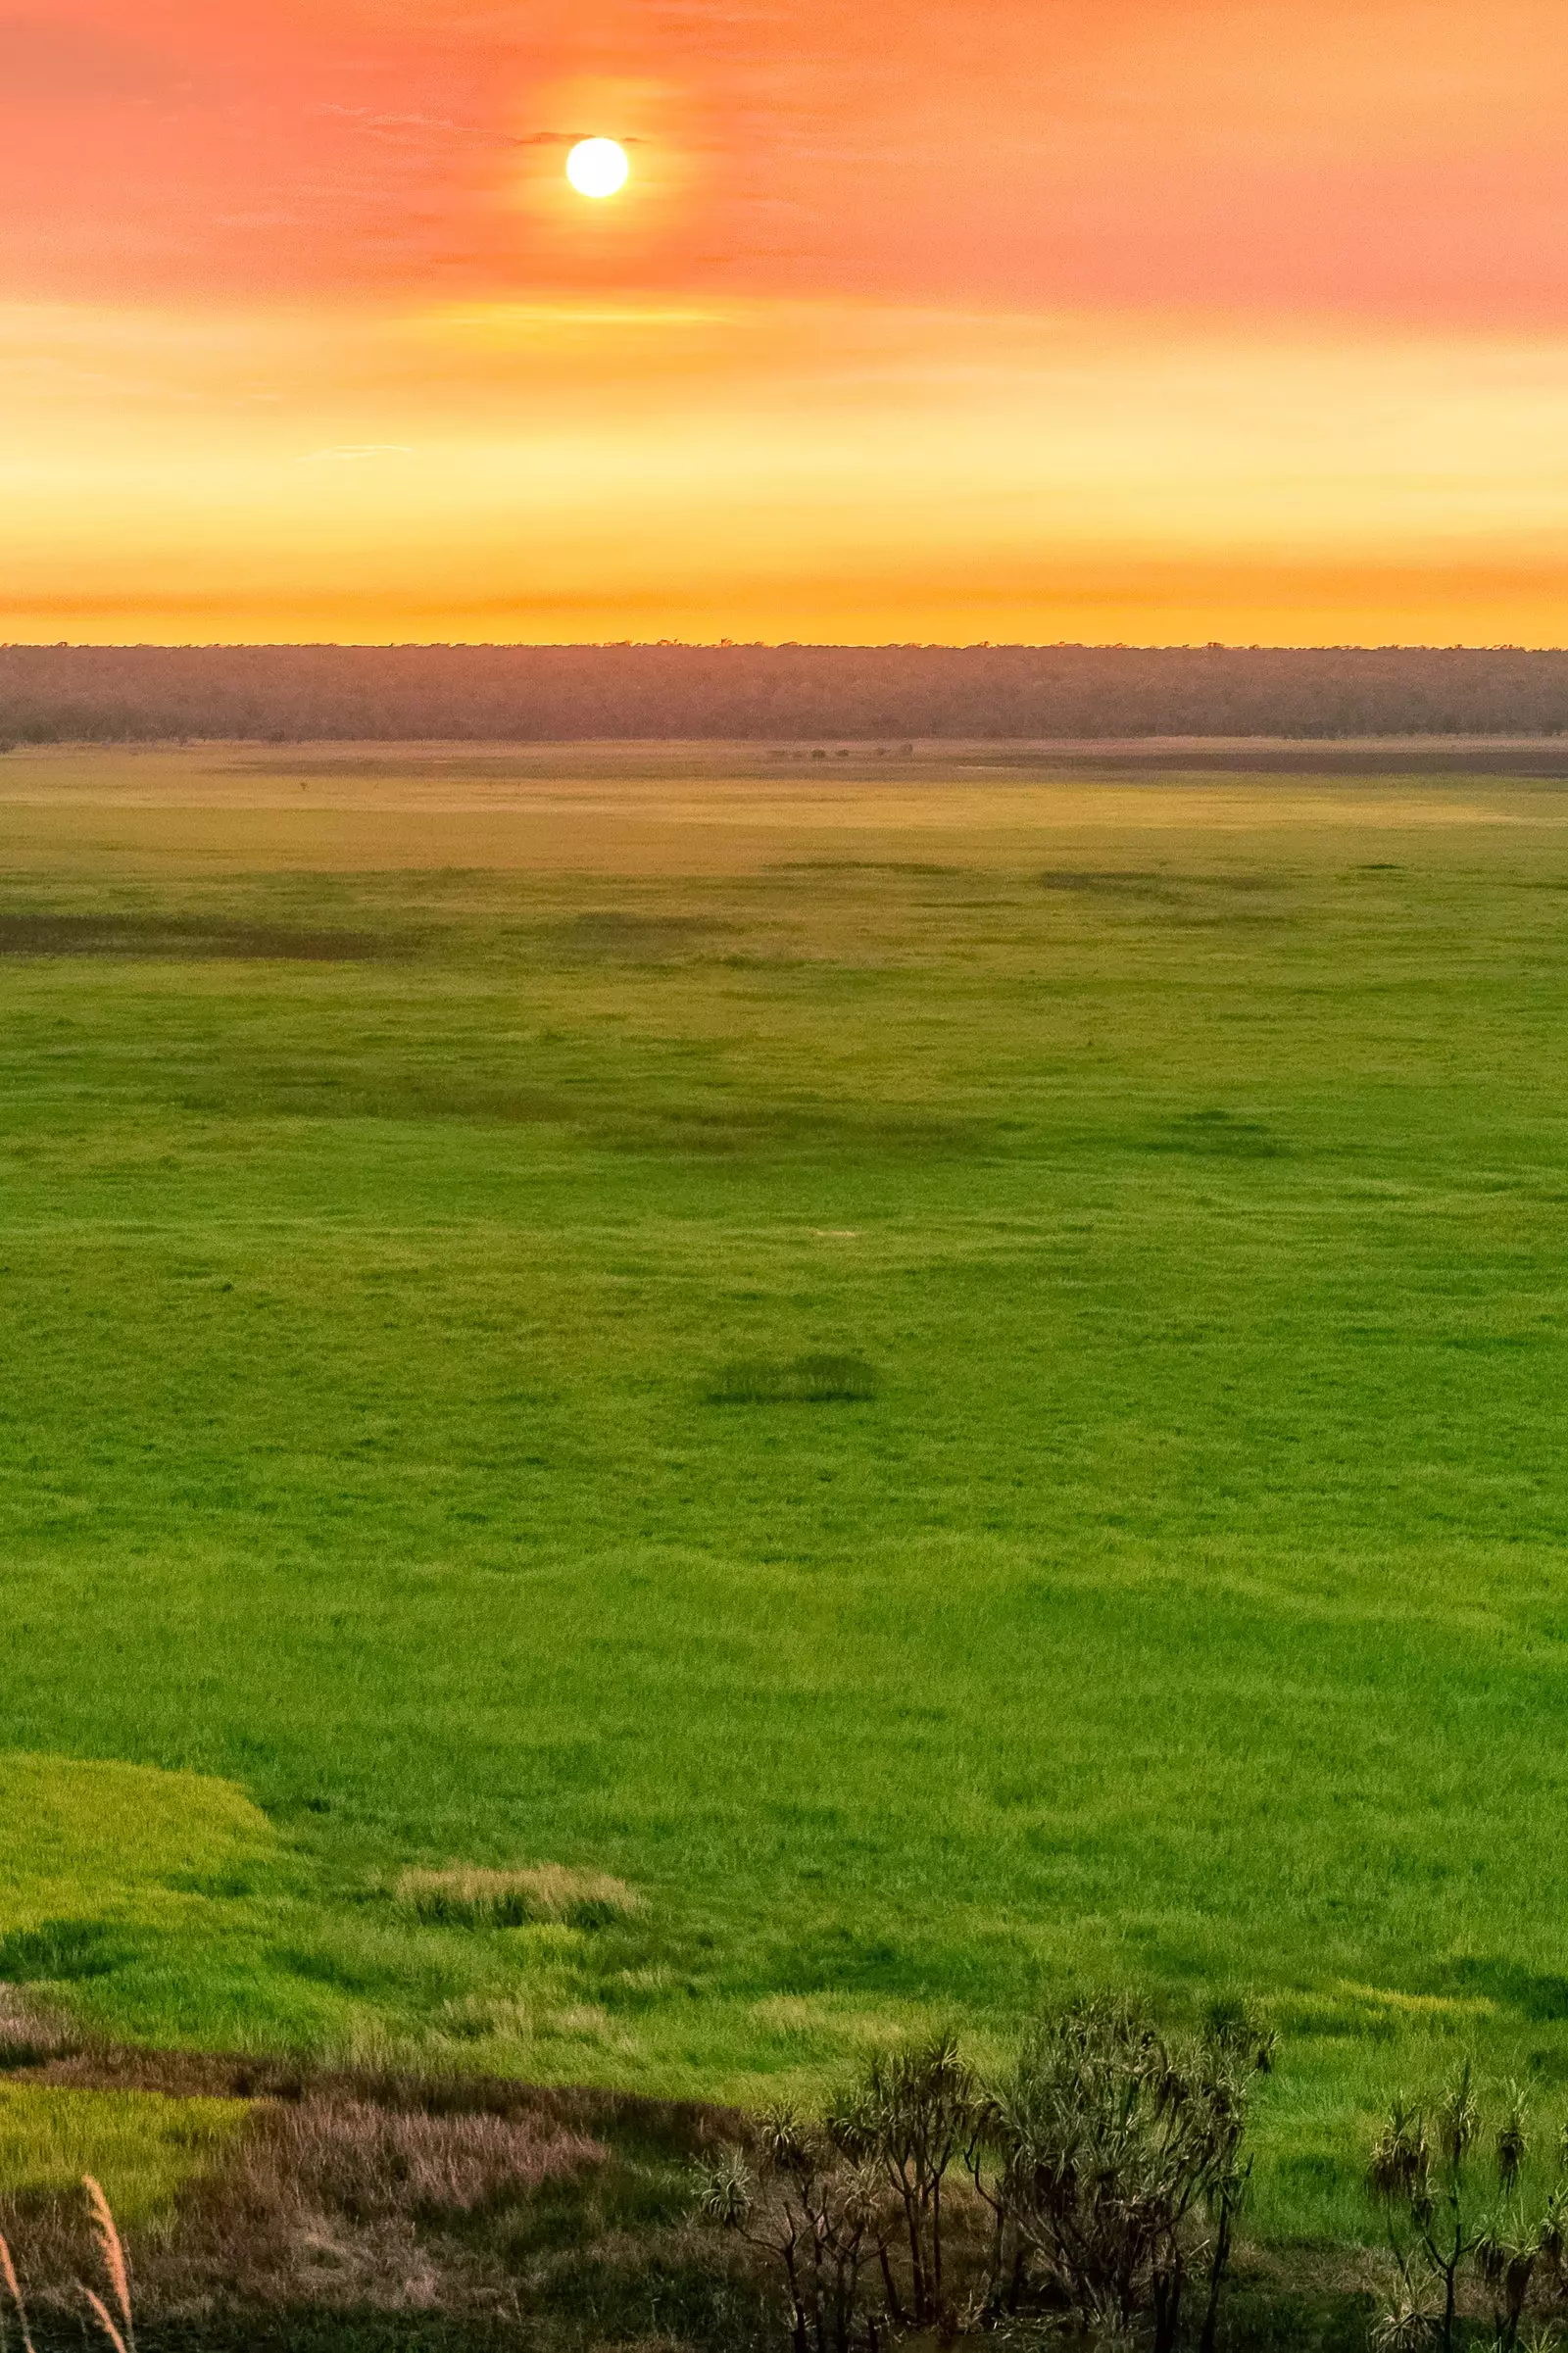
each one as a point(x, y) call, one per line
point(598, 167)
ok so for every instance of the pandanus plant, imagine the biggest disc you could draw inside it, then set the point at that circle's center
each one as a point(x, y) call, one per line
point(821, 2221)
point(912, 2116)
point(1119, 2169)
point(1104, 2173)
point(1451, 2186)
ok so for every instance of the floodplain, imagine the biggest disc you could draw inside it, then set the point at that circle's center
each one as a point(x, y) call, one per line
point(889, 1390)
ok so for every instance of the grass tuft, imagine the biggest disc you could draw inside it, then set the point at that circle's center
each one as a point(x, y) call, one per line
point(463, 1896)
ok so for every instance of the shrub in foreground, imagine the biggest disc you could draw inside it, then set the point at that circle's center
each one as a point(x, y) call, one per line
point(1093, 2186)
point(1451, 2180)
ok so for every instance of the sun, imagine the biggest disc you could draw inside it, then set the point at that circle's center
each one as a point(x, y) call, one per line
point(598, 167)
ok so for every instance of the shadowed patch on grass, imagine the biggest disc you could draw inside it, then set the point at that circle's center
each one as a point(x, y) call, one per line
point(1180, 894)
point(1217, 1136)
point(841, 1960)
point(861, 866)
point(617, 933)
point(602, 1119)
point(186, 938)
point(802, 1381)
point(1539, 1995)
point(63, 1952)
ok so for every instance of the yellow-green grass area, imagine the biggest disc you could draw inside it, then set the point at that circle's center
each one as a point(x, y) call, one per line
point(141, 2147)
point(401, 1151)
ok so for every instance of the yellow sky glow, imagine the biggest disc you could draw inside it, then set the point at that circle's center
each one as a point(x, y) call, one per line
point(567, 470)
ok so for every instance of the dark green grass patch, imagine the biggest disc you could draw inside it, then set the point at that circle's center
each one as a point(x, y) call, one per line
point(1140, 882)
point(635, 937)
point(811, 1380)
point(116, 935)
point(65, 1952)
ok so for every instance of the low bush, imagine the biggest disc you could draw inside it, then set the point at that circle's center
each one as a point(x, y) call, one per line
point(818, 1380)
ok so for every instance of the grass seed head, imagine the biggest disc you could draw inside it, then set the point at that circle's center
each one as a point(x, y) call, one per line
point(8, 2276)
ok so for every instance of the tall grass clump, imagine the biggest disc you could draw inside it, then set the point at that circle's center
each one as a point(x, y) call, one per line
point(31, 2037)
point(465, 1896)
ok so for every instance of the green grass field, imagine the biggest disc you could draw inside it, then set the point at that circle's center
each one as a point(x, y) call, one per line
point(394, 1173)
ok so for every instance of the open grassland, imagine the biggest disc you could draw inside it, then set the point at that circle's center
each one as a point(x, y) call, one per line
point(903, 1388)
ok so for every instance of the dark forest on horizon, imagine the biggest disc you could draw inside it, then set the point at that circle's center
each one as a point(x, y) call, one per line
point(542, 694)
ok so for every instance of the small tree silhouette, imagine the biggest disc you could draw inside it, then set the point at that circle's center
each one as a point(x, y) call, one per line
point(820, 2219)
point(910, 2118)
point(1120, 2173)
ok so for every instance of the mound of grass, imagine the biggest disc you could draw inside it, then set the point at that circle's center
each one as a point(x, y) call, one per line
point(83, 1839)
point(818, 1380)
point(462, 1897)
point(30, 2034)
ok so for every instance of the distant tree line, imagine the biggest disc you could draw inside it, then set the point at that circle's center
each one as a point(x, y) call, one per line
point(139, 694)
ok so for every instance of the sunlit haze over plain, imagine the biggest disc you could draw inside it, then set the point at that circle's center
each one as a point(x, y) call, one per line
point(1156, 320)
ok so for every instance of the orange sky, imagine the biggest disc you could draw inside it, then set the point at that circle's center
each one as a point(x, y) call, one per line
point(1158, 319)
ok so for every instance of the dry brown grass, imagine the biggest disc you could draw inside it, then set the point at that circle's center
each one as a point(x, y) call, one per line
point(12, 2300)
point(343, 2203)
point(463, 1896)
point(56, 2246)
point(32, 2036)
point(121, 2332)
point(499, 2206)
point(332, 2202)
point(365, 2190)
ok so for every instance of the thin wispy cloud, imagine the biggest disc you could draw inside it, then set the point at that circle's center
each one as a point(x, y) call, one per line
point(567, 138)
point(350, 452)
point(369, 119)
